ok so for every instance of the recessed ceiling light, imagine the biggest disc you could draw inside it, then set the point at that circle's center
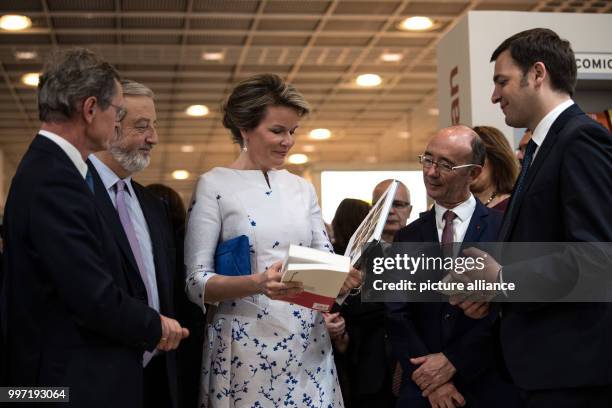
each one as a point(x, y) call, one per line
point(417, 23)
point(187, 148)
point(308, 148)
point(180, 174)
point(368, 80)
point(404, 134)
point(213, 56)
point(25, 55)
point(320, 134)
point(433, 111)
point(298, 158)
point(391, 57)
point(13, 22)
point(197, 110)
point(31, 79)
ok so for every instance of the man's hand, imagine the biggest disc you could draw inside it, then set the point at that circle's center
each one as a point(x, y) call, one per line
point(446, 396)
point(435, 370)
point(472, 309)
point(352, 281)
point(491, 267)
point(172, 334)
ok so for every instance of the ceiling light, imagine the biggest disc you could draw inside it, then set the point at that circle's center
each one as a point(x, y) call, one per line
point(404, 134)
point(417, 23)
point(391, 57)
point(187, 148)
point(298, 158)
point(197, 110)
point(12, 22)
point(320, 134)
point(369, 80)
point(308, 148)
point(213, 56)
point(180, 174)
point(25, 55)
point(31, 79)
point(433, 111)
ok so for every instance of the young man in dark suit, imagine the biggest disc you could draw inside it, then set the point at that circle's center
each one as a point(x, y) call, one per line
point(559, 353)
point(73, 318)
point(141, 229)
point(446, 355)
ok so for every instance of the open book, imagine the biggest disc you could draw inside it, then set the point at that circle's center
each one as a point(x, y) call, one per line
point(322, 274)
point(371, 228)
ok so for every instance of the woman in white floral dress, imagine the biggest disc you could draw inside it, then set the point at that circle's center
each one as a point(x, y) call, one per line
point(259, 351)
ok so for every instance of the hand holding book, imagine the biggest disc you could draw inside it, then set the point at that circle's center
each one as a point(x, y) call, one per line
point(269, 284)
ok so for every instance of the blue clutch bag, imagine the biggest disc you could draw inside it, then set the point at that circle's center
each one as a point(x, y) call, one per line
point(233, 257)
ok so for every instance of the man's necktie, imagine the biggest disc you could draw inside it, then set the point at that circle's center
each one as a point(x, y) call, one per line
point(128, 227)
point(520, 185)
point(448, 233)
point(89, 180)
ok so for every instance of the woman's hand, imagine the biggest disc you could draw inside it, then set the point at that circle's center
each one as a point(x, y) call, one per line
point(269, 284)
point(336, 326)
point(352, 281)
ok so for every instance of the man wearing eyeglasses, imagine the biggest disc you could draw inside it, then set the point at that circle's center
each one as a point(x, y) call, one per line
point(71, 316)
point(400, 209)
point(442, 351)
point(140, 225)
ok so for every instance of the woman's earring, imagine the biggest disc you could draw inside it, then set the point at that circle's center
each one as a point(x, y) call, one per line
point(244, 146)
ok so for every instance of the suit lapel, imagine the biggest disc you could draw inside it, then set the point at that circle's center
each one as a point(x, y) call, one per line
point(157, 241)
point(549, 141)
point(105, 205)
point(428, 229)
point(478, 223)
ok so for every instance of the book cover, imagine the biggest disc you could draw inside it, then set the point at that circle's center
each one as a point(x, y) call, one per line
point(371, 228)
point(322, 274)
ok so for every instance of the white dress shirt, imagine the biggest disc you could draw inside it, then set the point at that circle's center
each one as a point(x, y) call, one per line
point(541, 130)
point(461, 222)
point(73, 154)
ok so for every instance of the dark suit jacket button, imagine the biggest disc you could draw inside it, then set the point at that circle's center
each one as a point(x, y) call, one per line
point(447, 316)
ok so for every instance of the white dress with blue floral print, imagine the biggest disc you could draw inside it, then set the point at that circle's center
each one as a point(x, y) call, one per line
point(259, 352)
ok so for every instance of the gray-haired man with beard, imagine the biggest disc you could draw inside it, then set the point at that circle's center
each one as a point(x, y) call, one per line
point(140, 225)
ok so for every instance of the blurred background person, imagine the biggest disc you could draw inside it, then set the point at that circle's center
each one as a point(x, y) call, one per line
point(260, 350)
point(399, 212)
point(496, 181)
point(190, 352)
point(349, 214)
point(362, 352)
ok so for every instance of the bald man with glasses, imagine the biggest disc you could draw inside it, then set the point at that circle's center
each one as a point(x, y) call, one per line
point(441, 350)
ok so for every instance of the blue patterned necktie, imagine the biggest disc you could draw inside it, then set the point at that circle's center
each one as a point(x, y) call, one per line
point(520, 185)
point(89, 180)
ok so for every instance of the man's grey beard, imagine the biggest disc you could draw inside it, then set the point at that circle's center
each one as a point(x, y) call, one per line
point(132, 162)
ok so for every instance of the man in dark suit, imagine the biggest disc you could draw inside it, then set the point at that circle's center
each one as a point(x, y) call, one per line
point(73, 315)
point(445, 355)
point(140, 226)
point(559, 353)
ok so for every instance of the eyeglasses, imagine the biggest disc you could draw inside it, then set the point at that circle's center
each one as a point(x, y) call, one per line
point(120, 112)
point(428, 162)
point(399, 204)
